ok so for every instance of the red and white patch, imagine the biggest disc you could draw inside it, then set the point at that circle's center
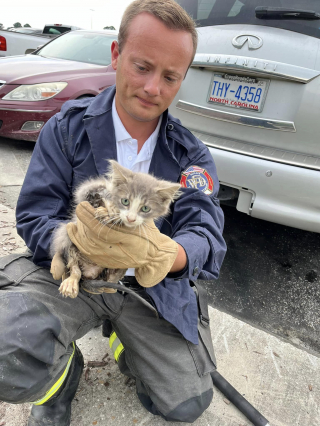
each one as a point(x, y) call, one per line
point(198, 178)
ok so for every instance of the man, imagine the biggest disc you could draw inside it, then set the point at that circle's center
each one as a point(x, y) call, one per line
point(170, 357)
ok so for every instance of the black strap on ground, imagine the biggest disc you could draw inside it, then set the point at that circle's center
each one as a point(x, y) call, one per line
point(220, 382)
point(238, 400)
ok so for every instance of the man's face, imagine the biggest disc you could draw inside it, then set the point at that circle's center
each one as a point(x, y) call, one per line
point(150, 68)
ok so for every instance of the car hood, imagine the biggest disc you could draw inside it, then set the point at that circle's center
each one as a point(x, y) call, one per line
point(32, 69)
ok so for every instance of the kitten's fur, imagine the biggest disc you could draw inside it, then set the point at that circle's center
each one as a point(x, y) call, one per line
point(108, 195)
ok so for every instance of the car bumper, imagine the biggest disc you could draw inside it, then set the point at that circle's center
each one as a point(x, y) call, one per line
point(280, 193)
point(14, 116)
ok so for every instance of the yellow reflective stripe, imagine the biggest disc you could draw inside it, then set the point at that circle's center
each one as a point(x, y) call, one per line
point(118, 352)
point(112, 338)
point(58, 384)
point(116, 345)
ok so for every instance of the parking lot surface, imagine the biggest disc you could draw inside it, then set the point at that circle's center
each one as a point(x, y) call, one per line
point(264, 324)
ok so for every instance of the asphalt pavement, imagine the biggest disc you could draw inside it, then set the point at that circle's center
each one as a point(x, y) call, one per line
point(271, 279)
point(264, 324)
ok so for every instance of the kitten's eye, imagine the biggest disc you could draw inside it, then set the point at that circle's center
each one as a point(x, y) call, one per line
point(125, 201)
point(145, 209)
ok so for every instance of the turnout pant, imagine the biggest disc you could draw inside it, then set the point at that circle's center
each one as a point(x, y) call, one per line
point(39, 329)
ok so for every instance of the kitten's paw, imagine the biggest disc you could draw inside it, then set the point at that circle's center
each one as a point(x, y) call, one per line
point(112, 210)
point(69, 287)
point(58, 267)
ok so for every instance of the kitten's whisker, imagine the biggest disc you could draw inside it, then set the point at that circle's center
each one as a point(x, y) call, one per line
point(101, 228)
point(167, 222)
point(97, 224)
point(113, 219)
point(110, 227)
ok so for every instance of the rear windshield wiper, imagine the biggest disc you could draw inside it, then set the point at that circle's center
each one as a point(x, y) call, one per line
point(283, 12)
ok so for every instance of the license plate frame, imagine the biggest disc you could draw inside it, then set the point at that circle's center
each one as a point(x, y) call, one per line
point(235, 82)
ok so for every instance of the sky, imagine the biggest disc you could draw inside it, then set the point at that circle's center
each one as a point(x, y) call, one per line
point(38, 13)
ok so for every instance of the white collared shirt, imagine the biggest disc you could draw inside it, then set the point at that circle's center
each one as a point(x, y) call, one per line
point(127, 150)
point(127, 147)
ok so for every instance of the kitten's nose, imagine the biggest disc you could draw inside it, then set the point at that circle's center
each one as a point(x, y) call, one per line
point(130, 219)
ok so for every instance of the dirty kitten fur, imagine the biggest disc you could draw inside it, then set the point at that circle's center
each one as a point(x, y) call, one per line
point(122, 197)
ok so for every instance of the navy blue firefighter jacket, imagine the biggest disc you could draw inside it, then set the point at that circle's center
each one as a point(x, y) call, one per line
point(75, 144)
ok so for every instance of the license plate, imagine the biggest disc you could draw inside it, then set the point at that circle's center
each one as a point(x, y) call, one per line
point(237, 91)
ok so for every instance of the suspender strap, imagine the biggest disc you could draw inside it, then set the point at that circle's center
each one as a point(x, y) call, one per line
point(202, 303)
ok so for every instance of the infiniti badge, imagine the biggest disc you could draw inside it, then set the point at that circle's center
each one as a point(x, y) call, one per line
point(254, 42)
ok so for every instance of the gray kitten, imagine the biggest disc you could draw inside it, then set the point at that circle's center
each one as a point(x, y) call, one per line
point(122, 197)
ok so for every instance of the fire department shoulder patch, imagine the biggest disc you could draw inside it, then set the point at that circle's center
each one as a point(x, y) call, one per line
point(196, 177)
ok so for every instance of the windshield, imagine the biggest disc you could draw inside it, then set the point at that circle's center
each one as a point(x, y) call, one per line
point(223, 12)
point(92, 48)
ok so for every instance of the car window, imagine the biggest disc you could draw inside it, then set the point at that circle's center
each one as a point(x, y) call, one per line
point(223, 12)
point(55, 30)
point(91, 48)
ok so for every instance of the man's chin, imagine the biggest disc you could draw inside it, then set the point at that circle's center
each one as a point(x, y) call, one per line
point(145, 117)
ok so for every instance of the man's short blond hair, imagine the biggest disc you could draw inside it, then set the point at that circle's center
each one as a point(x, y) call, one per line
point(169, 12)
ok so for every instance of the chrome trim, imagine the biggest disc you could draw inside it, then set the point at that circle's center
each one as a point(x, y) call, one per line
point(2, 82)
point(255, 66)
point(26, 110)
point(263, 152)
point(244, 120)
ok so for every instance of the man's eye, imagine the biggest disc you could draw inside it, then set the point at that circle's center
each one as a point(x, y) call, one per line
point(145, 209)
point(125, 201)
point(140, 68)
point(170, 79)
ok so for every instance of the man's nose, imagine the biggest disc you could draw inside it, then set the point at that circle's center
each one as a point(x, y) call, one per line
point(152, 86)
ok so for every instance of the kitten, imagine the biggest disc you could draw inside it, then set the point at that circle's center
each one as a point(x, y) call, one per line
point(122, 197)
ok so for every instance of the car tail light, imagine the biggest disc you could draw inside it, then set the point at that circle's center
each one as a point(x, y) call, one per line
point(3, 44)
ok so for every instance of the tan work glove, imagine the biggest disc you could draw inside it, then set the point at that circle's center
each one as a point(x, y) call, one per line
point(116, 247)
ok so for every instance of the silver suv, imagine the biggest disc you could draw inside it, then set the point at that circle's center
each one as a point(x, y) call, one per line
point(252, 96)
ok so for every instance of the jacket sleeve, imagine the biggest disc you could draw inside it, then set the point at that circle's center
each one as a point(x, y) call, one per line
point(197, 225)
point(45, 195)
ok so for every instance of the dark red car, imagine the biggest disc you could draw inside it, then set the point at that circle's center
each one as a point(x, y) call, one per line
point(34, 87)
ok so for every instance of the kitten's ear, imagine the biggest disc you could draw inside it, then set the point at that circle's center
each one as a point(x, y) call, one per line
point(117, 173)
point(169, 191)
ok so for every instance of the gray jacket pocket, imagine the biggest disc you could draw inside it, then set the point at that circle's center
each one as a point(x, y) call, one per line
point(15, 267)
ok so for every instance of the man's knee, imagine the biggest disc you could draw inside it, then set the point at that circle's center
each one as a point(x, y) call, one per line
point(186, 411)
point(190, 410)
point(26, 346)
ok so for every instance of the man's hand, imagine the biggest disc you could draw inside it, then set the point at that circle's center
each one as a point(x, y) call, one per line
point(150, 252)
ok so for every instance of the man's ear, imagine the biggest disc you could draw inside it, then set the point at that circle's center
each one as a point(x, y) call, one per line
point(114, 54)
